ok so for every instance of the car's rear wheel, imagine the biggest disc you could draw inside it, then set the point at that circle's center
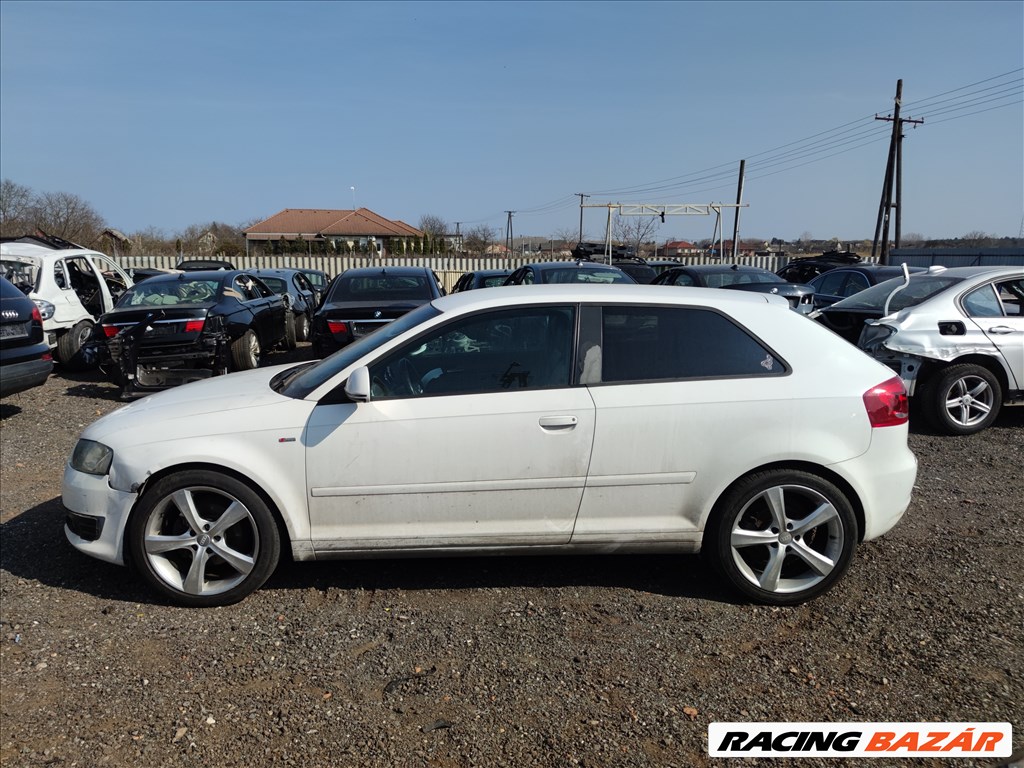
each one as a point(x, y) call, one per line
point(962, 399)
point(302, 327)
point(203, 538)
point(782, 537)
point(245, 352)
point(70, 344)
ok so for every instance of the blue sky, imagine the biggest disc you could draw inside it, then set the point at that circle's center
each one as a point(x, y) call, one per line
point(167, 115)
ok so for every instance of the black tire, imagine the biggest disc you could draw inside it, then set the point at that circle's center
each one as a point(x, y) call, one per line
point(302, 327)
point(289, 330)
point(203, 539)
point(69, 347)
point(799, 515)
point(961, 399)
point(245, 352)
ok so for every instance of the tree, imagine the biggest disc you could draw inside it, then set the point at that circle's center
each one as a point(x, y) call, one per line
point(976, 239)
point(634, 231)
point(434, 229)
point(68, 216)
point(567, 235)
point(479, 239)
point(15, 209)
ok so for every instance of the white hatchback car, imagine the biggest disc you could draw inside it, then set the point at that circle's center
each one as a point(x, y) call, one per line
point(555, 418)
point(72, 287)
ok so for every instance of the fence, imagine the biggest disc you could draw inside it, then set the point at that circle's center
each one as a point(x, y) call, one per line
point(448, 268)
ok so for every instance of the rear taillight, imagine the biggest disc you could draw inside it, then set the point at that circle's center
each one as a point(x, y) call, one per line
point(194, 326)
point(337, 327)
point(887, 404)
point(110, 331)
point(37, 316)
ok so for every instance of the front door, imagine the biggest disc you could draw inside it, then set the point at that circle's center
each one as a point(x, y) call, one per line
point(473, 438)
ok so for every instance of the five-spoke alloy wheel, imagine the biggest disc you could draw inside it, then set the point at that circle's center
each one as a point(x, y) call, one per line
point(782, 537)
point(962, 399)
point(203, 538)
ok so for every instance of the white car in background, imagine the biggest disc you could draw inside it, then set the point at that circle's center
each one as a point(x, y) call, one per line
point(955, 337)
point(548, 418)
point(71, 286)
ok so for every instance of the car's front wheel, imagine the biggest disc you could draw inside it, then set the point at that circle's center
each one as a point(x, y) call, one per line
point(782, 537)
point(203, 538)
point(302, 327)
point(962, 399)
point(245, 352)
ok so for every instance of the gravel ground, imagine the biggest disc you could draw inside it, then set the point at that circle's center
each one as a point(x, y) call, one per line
point(546, 661)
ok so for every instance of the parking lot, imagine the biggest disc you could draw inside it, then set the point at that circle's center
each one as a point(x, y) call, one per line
point(596, 660)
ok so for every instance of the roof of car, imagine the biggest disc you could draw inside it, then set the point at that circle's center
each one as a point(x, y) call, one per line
point(386, 269)
point(618, 293)
point(715, 269)
point(41, 252)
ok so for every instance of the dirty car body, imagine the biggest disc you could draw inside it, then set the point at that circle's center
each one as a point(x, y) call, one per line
point(954, 336)
point(170, 330)
point(533, 419)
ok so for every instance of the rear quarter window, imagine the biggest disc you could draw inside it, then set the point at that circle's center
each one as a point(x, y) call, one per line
point(666, 343)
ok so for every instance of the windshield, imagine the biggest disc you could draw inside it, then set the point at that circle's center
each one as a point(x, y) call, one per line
point(740, 277)
point(380, 287)
point(921, 288)
point(155, 292)
point(584, 275)
point(298, 383)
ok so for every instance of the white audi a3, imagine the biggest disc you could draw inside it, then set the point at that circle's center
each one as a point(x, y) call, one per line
point(558, 419)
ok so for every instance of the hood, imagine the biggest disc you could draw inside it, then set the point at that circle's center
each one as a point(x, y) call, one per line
point(210, 406)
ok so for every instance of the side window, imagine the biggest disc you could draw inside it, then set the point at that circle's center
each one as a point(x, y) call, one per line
point(983, 302)
point(830, 284)
point(59, 277)
point(1011, 295)
point(260, 289)
point(528, 277)
point(665, 343)
point(243, 286)
point(521, 348)
point(855, 283)
point(682, 279)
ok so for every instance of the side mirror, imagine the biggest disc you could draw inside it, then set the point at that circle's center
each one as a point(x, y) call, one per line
point(357, 388)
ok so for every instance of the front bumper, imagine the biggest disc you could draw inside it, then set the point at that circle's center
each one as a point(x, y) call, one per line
point(90, 496)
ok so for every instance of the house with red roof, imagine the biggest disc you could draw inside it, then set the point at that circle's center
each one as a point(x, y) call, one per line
point(324, 231)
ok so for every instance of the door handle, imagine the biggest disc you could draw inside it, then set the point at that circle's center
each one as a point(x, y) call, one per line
point(558, 422)
point(1001, 330)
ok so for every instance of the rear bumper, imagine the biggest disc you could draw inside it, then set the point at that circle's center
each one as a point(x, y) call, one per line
point(19, 376)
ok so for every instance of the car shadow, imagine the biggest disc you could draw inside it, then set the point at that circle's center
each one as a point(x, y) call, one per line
point(34, 547)
point(1010, 417)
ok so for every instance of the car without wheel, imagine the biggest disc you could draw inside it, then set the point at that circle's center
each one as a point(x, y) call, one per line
point(955, 337)
point(174, 329)
point(629, 419)
point(71, 286)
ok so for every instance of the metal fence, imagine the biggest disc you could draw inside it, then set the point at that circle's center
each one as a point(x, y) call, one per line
point(448, 268)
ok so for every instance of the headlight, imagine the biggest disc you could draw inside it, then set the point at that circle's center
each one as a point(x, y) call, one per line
point(46, 309)
point(91, 457)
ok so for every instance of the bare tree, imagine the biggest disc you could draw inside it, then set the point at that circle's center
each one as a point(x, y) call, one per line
point(634, 231)
point(434, 229)
point(976, 239)
point(478, 239)
point(15, 209)
point(568, 235)
point(68, 216)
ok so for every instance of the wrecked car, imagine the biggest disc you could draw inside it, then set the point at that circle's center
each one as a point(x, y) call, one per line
point(955, 337)
point(72, 287)
point(173, 329)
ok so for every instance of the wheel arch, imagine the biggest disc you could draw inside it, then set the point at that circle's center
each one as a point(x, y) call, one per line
point(803, 466)
point(931, 368)
point(282, 527)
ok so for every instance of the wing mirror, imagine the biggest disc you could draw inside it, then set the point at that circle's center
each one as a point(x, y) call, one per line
point(357, 388)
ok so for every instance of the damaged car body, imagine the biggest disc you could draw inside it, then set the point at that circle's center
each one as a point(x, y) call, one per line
point(954, 336)
point(175, 329)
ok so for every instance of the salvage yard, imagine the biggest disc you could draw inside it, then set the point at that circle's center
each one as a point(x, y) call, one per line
point(594, 661)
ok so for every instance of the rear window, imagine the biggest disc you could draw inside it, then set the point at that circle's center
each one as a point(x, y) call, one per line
point(584, 275)
point(381, 288)
point(165, 292)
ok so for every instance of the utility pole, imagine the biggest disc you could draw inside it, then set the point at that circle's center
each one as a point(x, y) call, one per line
point(508, 232)
point(458, 239)
point(736, 221)
point(582, 197)
point(893, 178)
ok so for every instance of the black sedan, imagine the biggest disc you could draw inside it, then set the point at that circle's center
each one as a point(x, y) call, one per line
point(173, 329)
point(482, 278)
point(301, 296)
point(568, 272)
point(25, 359)
point(837, 284)
point(740, 278)
point(362, 299)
